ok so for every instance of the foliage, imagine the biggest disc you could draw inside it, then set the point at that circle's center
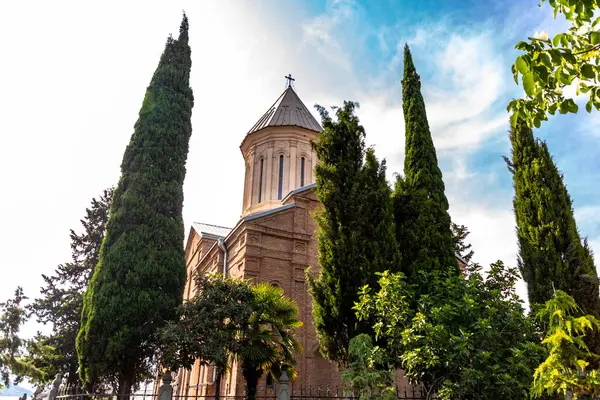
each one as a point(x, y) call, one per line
point(467, 339)
point(551, 253)
point(209, 325)
point(355, 229)
point(12, 316)
point(367, 376)
point(420, 205)
point(459, 238)
point(267, 342)
point(566, 368)
point(232, 318)
point(551, 64)
point(139, 280)
point(62, 297)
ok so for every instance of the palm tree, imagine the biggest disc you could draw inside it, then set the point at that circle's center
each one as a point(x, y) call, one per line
point(267, 344)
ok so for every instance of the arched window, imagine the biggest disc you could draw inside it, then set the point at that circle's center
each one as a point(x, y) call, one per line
point(280, 184)
point(260, 179)
point(302, 161)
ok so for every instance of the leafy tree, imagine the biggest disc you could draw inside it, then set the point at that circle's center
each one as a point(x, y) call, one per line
point(62, 297)
point(138, 282)
point(12, 316)
point(234, 319)
point(267, 343)
point(467, 339)
point(420, 204)
point(367, 377)
point(551, 253)
point(459, 238)
point(209, 325)
point(566, 368)
point(549, 65)
point(355, 229)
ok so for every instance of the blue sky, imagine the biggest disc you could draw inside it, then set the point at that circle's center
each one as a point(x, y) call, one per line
point(77, 73)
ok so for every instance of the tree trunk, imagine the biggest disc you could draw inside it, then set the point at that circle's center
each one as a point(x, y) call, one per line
point(218, 384)
point(73, 378)
point(124, 387)
point(251, 375)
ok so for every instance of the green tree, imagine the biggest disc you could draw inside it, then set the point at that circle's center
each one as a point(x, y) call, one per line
point(551, 252)
point(459, 238)
point(138, 282)
point(566, 368)
point(420, 205)
point(267, 343)
point(355, 229)
point(233, 319)
point(549, 65)
point(209, 325)
point(12, 316)
point(61, 298)
point(467, 339)
point(367, 376)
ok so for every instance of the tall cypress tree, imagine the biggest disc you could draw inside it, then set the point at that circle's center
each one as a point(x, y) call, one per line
point(420, 204)
point(140, 276)
point(552, 255)
point(355, 229)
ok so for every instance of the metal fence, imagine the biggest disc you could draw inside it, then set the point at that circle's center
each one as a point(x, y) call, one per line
point(283, 391)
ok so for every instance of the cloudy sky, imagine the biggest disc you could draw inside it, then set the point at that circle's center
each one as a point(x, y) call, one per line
point(74, 76)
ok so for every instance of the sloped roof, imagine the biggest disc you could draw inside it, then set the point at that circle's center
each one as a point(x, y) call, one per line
point(288, 110)
point(209, 230)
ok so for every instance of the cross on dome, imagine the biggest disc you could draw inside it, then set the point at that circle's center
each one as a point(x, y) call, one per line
point(289, 80)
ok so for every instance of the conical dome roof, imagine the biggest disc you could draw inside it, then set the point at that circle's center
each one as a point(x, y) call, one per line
point(288, 110)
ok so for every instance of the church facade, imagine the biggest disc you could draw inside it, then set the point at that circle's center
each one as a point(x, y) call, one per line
point(274, 241)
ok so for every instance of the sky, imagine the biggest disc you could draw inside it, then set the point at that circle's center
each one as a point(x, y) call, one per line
point(74, 76)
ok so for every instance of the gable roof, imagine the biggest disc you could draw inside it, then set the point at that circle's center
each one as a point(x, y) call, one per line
point(288, 110)
point(210, 231)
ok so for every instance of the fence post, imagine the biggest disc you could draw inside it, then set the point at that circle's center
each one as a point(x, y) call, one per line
point(165, 391)
point(55, 386)
point(283, 389)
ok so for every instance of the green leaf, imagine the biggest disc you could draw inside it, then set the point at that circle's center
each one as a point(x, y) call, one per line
point(556, 40)
point(569, 57)
point(513, 118)
point(522, 65)
point(595, 38)
point(536, 122)
point(572, 106)
point(545, 58)
point(588, 71)
point(588, 106)
point(564, 108)
point(529, 84)
point(552, 108)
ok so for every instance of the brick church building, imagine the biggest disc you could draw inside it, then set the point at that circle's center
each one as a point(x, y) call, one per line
point(274, 240)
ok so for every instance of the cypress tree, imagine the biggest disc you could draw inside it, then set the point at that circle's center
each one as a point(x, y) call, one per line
point(355, 229)
point(420, 204)
point(139, 279)
point(552, 255)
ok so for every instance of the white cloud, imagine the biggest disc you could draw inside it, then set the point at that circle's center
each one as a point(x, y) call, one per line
point(75, 89)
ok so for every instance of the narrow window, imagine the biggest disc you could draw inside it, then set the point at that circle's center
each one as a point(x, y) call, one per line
point(280, 187)
point(270, 381)
point(260, 179)
point(302, 172)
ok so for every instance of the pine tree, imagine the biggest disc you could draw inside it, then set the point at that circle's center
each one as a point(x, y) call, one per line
point(355, 229)
point(62, 296)
point(552, 255)
point(461, 247)
point(420, 204)
point(139, 279)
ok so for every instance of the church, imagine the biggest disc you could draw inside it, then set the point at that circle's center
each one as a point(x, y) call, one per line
point(274, 241)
